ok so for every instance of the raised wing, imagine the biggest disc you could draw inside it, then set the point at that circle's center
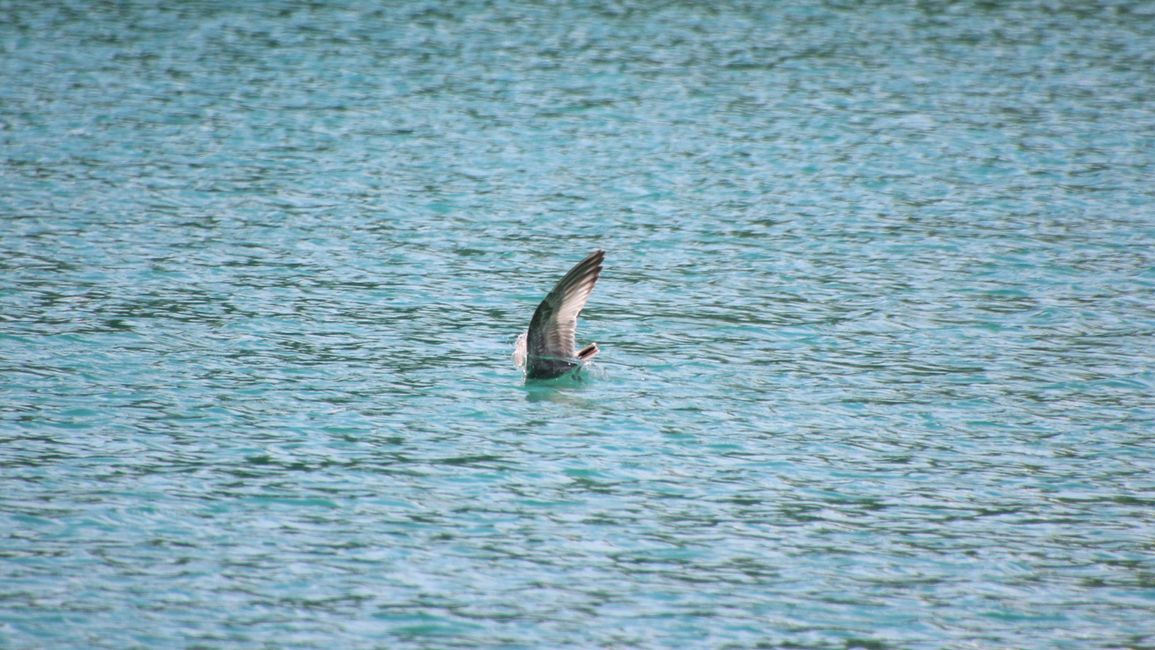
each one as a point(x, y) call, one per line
point(554, 326)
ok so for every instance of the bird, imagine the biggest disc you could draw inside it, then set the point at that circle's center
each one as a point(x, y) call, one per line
point(548, 349)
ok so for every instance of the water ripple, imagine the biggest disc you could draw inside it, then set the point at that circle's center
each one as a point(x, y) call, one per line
point(876, 326)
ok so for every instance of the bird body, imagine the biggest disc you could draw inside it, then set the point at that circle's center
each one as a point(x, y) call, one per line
point(547, 349)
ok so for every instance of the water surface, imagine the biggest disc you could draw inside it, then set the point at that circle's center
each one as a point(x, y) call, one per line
point(877, 325)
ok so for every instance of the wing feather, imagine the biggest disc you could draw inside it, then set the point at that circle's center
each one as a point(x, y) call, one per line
point(553, 329)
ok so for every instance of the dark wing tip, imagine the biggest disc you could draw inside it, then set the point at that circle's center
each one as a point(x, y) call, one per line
point(592, 262)
point(587, 270)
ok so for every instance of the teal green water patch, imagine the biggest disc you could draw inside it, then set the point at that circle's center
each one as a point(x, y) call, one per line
point(876, 325)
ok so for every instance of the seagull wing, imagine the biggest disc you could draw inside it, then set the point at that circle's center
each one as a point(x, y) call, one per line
point(554, 326)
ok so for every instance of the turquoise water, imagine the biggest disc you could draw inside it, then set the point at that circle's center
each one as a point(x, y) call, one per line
point(877, 325)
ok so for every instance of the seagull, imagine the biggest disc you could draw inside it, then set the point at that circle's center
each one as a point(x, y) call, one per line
point(547, 349)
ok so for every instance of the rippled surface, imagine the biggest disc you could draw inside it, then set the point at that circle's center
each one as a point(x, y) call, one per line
point(877, 325)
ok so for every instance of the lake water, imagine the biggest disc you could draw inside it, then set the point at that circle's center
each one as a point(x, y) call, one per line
point(877, 325)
